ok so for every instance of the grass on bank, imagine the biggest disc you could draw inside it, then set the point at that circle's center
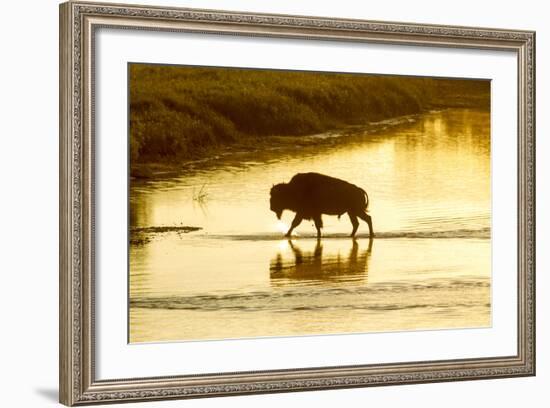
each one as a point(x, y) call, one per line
point(180, 113)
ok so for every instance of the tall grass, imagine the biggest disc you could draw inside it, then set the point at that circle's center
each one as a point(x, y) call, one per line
point(179, 113)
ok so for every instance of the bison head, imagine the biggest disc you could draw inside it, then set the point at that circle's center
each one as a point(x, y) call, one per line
point(279, 199)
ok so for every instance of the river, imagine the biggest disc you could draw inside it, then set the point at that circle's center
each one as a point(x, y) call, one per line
point(428, 267)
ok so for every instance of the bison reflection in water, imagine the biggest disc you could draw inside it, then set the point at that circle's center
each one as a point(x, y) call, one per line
point(316, 266)
point(310, 195)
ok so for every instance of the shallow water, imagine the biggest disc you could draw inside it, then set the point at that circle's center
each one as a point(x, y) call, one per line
point(429, 266)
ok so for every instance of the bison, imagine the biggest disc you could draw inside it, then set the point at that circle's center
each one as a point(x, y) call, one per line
point(310, 195)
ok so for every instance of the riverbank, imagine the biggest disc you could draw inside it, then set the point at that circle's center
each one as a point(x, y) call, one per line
point(144, 235)
point(184, 114)
point(245, 148)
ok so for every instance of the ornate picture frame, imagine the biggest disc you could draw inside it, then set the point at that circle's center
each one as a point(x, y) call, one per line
point(78, 24)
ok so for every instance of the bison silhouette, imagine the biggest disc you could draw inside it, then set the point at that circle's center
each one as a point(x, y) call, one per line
point(310, 195)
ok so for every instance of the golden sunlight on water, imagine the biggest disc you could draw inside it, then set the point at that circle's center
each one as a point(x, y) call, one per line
point(281, 227)
point(428, 267)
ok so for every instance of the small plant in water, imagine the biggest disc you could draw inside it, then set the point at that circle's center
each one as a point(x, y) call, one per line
point(200, 196)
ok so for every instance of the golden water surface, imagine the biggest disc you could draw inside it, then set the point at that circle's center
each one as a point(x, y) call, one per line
point(428, 267)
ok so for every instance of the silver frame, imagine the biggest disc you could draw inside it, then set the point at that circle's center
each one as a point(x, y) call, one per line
point(78, 22)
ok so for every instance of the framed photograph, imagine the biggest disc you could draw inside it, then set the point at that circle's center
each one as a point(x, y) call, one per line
point(256, 203)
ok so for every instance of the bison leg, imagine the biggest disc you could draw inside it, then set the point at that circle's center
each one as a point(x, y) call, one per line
point(318, 224)
point(354, 222)
point(368, 219)
point(295, 222)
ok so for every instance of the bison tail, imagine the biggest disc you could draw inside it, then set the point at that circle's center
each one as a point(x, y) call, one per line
point(367, 196)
